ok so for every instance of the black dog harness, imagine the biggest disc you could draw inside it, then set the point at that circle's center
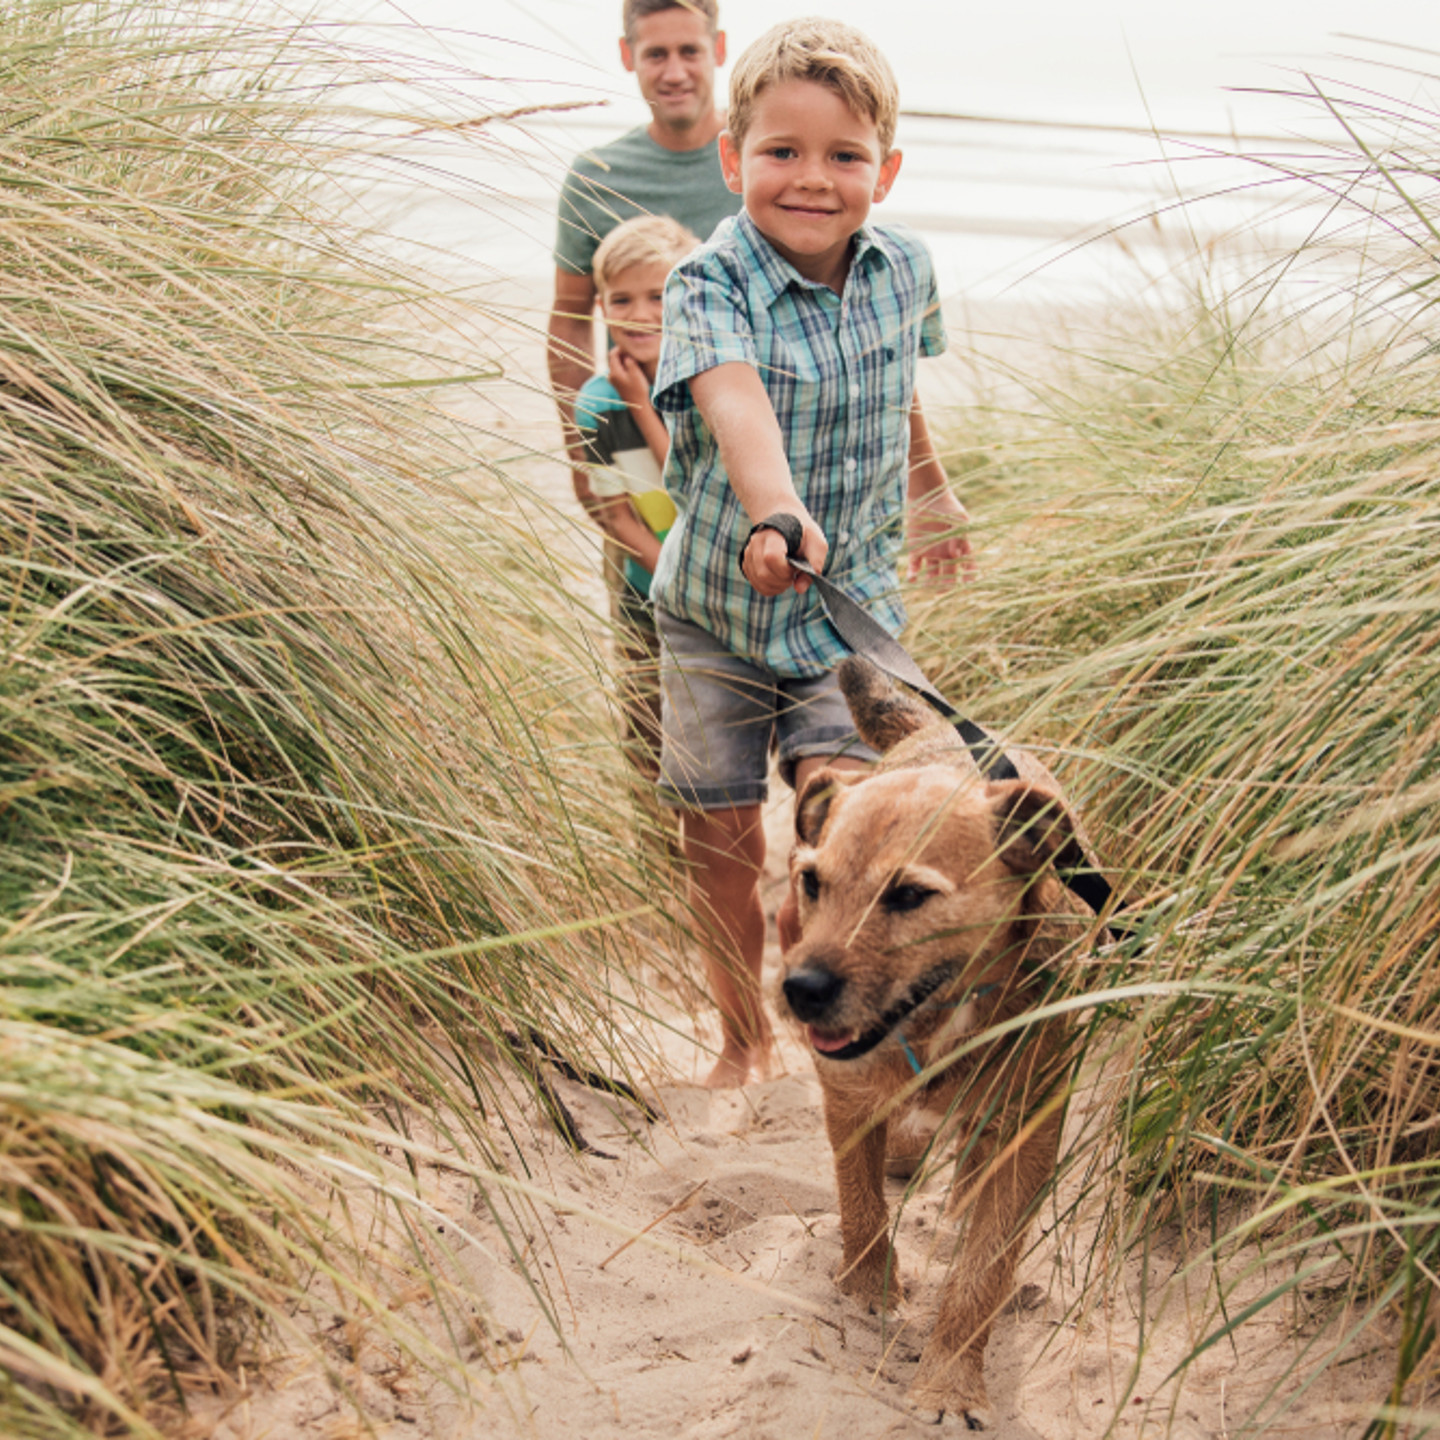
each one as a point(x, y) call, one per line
point(864, 635)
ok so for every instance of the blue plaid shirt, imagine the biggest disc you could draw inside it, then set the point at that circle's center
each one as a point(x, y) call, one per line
point(840, 372)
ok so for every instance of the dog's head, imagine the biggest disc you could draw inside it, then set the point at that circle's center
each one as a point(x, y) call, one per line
point(909, 883)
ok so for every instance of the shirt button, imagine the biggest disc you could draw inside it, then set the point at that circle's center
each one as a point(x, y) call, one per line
point(851, 463)
point(843, 537)
point(854, 392)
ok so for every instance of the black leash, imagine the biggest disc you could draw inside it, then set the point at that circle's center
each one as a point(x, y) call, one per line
point(871, 641)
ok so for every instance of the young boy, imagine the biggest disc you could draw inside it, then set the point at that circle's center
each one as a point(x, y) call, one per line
point(787, 376)
point(626, 443)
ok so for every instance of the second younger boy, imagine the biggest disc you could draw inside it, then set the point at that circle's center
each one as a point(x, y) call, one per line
point(787, 374)
point(625, 442)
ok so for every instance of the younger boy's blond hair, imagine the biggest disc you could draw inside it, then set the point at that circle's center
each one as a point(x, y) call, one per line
point(831, 54)
point(645, 240)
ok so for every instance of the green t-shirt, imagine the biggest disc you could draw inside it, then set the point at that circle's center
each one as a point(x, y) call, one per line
point(635, 176)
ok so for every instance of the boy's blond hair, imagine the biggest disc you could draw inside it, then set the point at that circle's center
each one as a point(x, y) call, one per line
point(831, 54)
point(645, 240)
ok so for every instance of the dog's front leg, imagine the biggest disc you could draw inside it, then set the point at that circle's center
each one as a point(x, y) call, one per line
point(868, 1270)
point(951, 1377)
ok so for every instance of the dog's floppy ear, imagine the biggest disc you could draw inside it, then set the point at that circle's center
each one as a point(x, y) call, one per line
point(1032, 827)
point(813, 806)
point(884, 715)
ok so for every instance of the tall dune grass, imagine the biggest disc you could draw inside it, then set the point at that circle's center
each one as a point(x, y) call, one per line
point(1211, 587)
point(305, 790)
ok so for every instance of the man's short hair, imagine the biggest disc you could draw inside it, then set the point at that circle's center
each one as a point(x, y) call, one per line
point(645, 240)
point(831, 54)
point(635, 10)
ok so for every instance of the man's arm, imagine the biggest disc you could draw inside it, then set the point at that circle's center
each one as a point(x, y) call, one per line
point(935, 515)
point(735, 406)
point(570, 357)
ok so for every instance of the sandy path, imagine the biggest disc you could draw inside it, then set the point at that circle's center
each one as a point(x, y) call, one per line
point(724, 1321)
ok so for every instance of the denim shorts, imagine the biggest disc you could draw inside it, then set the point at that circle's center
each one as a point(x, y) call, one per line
point(720, 715)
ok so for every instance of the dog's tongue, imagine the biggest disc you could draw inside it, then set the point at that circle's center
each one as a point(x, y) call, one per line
point(826, 1043)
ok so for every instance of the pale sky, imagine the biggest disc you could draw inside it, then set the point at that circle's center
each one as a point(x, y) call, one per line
point(1052, 59)
point(997, 203)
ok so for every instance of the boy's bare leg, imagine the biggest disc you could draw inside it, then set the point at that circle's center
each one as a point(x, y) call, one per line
point(726, 851)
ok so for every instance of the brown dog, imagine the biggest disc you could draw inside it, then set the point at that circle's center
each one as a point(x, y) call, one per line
point(927, 913)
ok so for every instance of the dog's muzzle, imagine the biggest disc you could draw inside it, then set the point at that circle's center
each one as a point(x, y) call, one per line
point(812, 990)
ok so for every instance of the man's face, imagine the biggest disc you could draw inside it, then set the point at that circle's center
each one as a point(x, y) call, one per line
point(673, 56)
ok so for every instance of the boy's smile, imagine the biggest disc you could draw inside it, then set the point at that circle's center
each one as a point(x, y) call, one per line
point(810, 169)
point(633, 305)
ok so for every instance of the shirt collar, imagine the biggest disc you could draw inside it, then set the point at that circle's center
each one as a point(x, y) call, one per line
point(774, 274)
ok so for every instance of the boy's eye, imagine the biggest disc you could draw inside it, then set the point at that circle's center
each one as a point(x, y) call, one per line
point(810, 884)
point(847, 157)
point(782, 152)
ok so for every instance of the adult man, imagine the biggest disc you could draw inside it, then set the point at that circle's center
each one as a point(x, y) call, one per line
point(670, 166)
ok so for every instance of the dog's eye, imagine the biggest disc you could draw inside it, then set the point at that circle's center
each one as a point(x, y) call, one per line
point(810, 884)
point(899, 898)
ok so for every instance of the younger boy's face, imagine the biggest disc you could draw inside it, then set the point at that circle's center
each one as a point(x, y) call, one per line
point(810, 169)
point(633, 303)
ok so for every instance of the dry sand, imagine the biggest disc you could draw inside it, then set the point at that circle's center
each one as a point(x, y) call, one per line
point(723, 1321)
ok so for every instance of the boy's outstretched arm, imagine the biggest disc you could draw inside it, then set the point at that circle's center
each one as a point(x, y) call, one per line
point(735, 406)
point(934, 514)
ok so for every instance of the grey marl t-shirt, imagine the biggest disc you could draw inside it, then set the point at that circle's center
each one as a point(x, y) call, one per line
point(635, 176)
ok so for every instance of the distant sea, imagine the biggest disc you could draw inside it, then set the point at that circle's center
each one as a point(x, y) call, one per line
point(1030, 165)
point(1032, 212)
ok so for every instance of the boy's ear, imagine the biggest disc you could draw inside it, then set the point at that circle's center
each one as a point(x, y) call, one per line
point(627, 57)
point(719, 47)
point(730, 162)
point(889, 169)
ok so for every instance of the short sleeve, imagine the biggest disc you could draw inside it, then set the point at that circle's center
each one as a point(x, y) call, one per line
point(597, 399)
point(577, 232)
point(933, 339)
point(706, 323)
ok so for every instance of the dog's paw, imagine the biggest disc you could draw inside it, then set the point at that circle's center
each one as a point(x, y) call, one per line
point(955, 1415)
point(874, 1286)
point(957, 1401)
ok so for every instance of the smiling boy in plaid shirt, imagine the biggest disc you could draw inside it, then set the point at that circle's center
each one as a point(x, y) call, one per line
point(787, 377)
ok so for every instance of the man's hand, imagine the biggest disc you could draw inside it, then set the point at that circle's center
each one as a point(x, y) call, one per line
point(939, 549)
point(766, 563)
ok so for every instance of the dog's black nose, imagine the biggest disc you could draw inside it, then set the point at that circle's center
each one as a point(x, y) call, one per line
point(811, 992)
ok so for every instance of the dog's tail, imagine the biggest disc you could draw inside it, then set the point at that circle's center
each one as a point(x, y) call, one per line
point(884, 715)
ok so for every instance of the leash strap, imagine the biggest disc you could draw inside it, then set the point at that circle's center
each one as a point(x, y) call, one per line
point(871, 641)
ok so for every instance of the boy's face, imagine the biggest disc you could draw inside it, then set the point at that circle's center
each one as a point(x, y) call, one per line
point(633, 303)
point(809, 170)
point(673, 56)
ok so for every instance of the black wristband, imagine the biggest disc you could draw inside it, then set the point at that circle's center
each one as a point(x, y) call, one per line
point(787, 526)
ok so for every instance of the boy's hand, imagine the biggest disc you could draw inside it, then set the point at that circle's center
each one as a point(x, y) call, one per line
point(628, 378)
point(766, 564)
point(938, 549)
